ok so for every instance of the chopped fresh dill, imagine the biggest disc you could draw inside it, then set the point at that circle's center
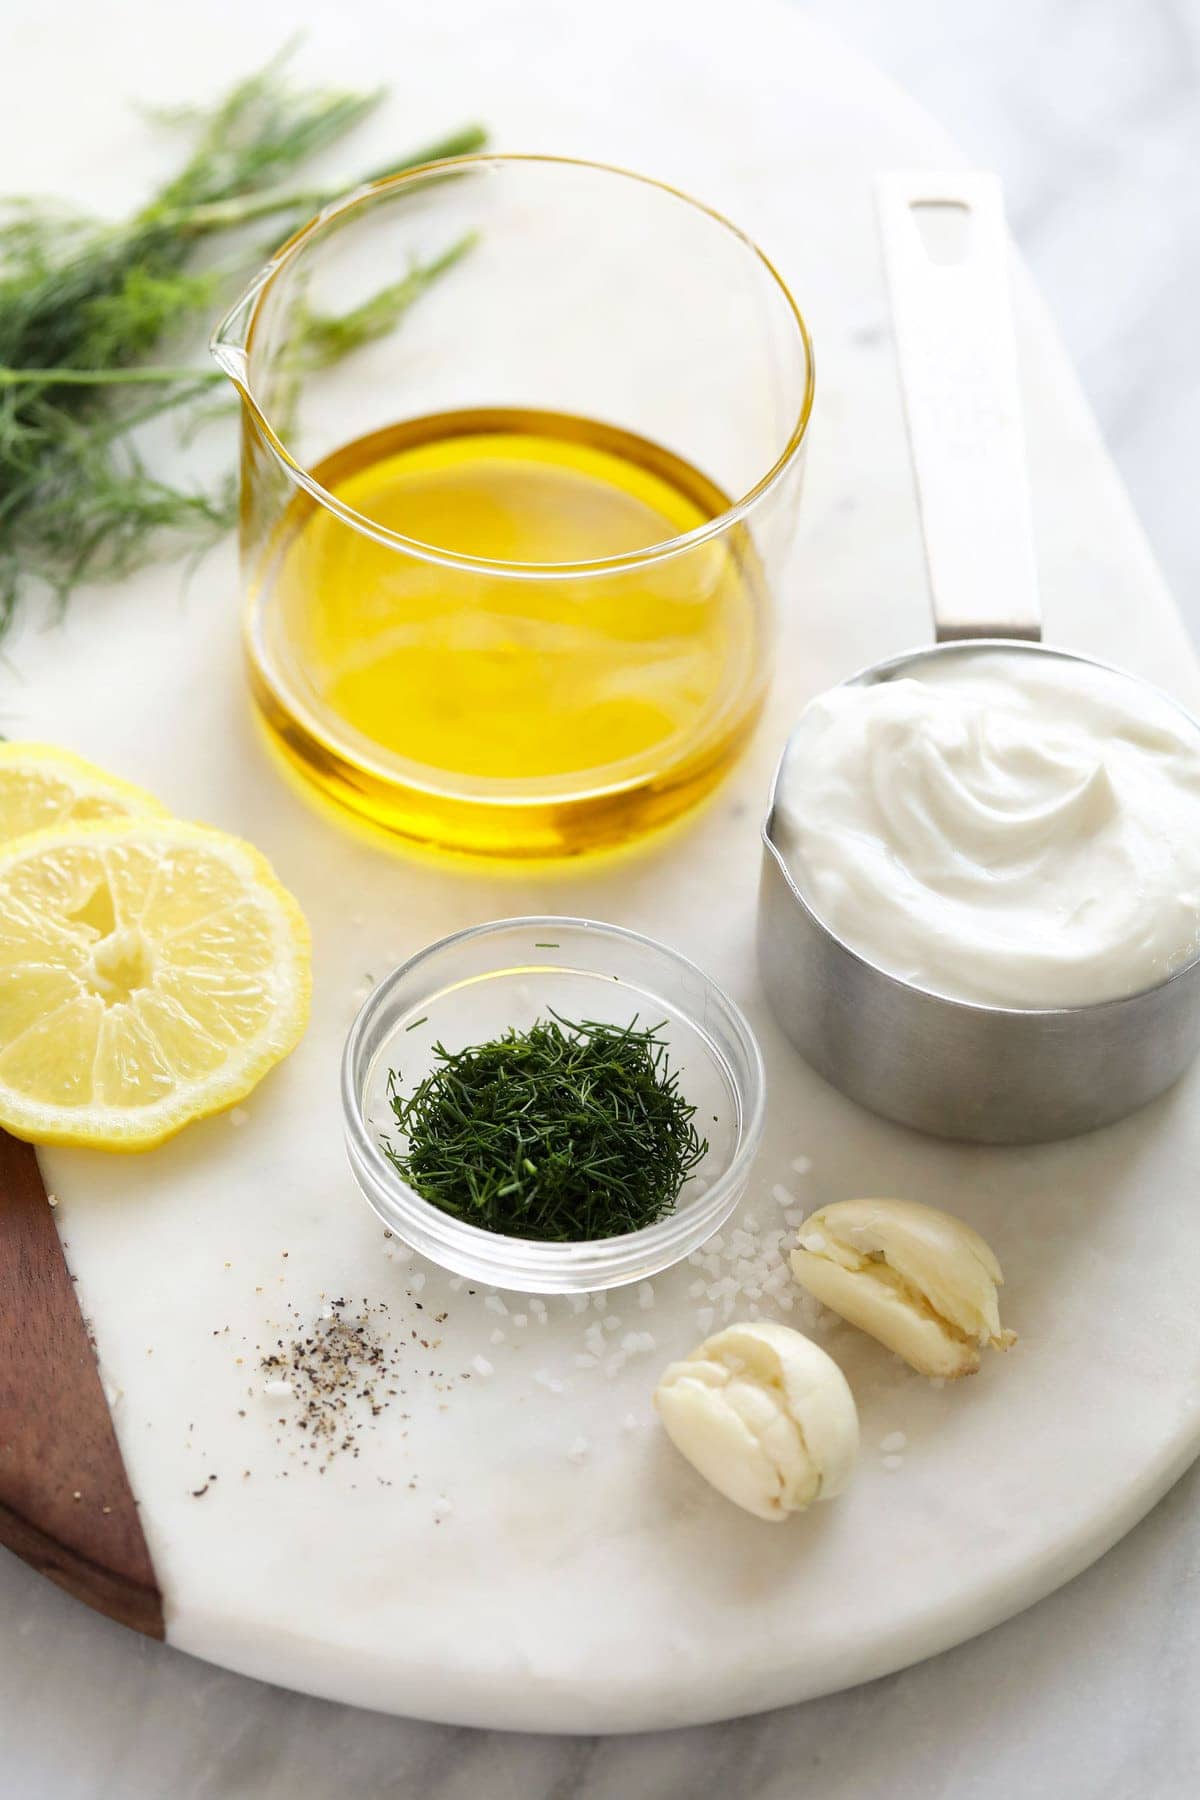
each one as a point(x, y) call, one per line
point(547, 946)
point(84, 302)
point(422, 1021)
point(566, 1132)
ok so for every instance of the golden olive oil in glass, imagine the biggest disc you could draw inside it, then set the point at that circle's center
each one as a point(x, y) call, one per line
point(527, 705)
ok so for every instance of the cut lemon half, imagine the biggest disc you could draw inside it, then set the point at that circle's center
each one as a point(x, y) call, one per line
point(41, 786)
point(151, 973)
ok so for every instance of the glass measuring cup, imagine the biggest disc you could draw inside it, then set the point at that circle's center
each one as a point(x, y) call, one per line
point(511, 567)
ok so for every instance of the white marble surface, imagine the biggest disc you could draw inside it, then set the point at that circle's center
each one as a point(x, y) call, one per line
point(1075, 1697)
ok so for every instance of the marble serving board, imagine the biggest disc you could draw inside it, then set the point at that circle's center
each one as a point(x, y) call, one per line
point(522, 1548)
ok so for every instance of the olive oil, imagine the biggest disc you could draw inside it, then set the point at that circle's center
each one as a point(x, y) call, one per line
point(502, 668)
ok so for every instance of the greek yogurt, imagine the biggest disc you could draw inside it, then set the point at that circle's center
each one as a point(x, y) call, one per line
point(1005, 826)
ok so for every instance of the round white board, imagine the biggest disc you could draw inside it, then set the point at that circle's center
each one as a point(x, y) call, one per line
point(464, 1567)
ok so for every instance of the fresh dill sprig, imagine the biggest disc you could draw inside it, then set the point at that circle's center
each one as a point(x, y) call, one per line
point(566, 1132)
point(83, 303)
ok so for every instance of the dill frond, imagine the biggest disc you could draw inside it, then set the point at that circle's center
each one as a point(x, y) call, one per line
point(84, 303)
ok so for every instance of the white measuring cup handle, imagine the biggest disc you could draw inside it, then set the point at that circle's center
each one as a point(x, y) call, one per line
point(945, 249)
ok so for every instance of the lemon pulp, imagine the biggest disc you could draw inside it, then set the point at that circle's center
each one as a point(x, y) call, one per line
point(151, 972)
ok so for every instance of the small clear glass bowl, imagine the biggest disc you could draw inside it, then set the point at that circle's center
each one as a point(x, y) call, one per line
point(473, 986)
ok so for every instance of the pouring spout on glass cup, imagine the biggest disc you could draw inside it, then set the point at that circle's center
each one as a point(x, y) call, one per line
point(957, 1068)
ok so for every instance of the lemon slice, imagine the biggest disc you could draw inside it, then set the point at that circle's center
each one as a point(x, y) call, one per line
point(41, 785)
point(151, 973)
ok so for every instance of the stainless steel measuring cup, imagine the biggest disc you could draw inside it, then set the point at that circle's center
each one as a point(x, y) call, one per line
point(954, 1068)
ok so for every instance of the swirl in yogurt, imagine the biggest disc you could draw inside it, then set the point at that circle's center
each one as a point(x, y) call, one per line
point(1005, 826)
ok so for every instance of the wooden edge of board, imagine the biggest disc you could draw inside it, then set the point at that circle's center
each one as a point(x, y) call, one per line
point(66, 1506)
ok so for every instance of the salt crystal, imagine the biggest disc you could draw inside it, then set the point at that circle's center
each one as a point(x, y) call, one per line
point(278, 1390)
point(442, 1508)
point(629, 1343)
point(802, 1164)
point(612, 1323)
point(112, 1394)
point(893, 1462)
point(545, 1379)
point(600, 1302)
point(520, 1321)
point(781, 1196)
point(498, 1337)
point(615, 1364)
point(586, 1362)
point(238, 1116)
point(795, 1216)
point(577, 1450)
point(495, 1304)
point(750, 1221)
point(895, 1440)
point(482, 1366)
point(579, 1303)
point(399, 1253)
point(537, 1307)
point(753, 1311)
point(697, 1289)
point(416, 1283)
point(715, 1244)
point(629, 1422)
point(645, 1296)
point(704, 1319)
point(456, 1284)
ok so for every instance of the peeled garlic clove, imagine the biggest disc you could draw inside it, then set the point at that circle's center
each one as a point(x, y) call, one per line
point(919, 1280)
point(765, 1416)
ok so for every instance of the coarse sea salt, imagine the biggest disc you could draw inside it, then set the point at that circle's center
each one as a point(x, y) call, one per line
point(892, 1463)
point(441, 1509)
point(802, 1164)
point(497, 1337)
point(495, 1304)
point(577, 1450)
point(278, 1390)
point(645, 1295)
point(482, 1366)
point(781, 1196)
point(895, 1440)
point(416, 1283)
